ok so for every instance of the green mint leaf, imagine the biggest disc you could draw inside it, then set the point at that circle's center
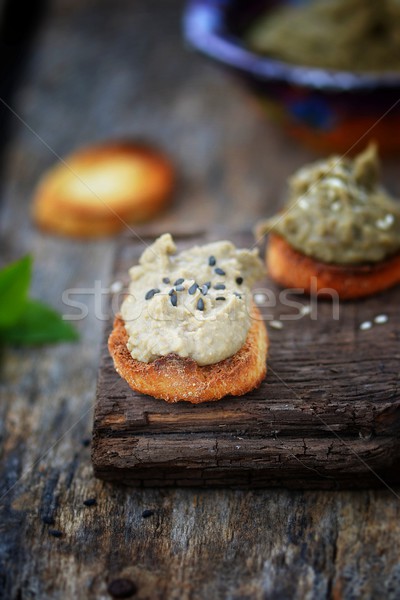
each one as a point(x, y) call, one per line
point(14, 286)
point(38, 324)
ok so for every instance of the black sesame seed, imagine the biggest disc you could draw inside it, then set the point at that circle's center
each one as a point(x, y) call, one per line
point(85, 442)
point(151, 293)
point(147, 513)
point(200, 304)
point(174, 299)
point(122, 588)
point(193, 288)
point(55, 533)
point(204, 290)
point(179, 288)
point(179, 281)
point(239, 280)
point(166, 280)
point(48, 519)
point(219, 271)
point(171, 291)
point(212, 261)
point(90, 502)
point(220, 298)
point(219, 286)
point(208, 284)
point(238, 295)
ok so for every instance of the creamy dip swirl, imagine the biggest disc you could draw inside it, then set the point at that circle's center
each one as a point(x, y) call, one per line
point(339, 213)
point(193, 304)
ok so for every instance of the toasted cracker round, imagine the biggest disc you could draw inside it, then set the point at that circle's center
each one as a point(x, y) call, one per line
point(100, 189)
point(173, 378)
point(291, 269)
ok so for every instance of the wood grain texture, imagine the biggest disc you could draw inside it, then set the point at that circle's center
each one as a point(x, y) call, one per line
point(291, 431)
point(92, 75)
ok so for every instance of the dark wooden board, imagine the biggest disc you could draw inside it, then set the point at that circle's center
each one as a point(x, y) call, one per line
point(327, 415)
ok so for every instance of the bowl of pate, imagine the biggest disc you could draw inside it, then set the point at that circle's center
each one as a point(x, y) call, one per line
point(327, 71)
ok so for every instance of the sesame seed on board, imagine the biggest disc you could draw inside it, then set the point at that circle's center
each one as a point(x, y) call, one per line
point(90, 502)
point(305, 310)
point(276, 324)
point(378, 320)
point(259, 298)
point(381, 319)
point(116, 287)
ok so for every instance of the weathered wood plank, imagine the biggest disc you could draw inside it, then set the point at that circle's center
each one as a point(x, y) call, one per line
point(220, 462)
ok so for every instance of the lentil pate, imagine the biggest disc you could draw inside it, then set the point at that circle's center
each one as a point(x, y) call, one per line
point(193, 304)
point(350, 35)
point(339, 213)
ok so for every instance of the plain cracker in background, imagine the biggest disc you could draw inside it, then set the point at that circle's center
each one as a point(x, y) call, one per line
point(96, 191)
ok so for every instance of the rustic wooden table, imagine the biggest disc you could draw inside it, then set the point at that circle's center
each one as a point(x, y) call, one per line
point(100, 70)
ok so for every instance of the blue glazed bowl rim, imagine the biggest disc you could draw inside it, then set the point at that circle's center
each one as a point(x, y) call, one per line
point(205, 28)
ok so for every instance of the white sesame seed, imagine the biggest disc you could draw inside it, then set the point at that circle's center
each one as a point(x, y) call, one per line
point(303, 204)
point(386, 222)
point(366, 325)
point(381, 319)
point(116, 287)
point(276, 324)
point(302, 175)
point(335, 182)
point(260, 298)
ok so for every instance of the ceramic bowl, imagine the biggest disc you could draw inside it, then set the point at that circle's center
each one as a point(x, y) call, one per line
point(326, 109)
